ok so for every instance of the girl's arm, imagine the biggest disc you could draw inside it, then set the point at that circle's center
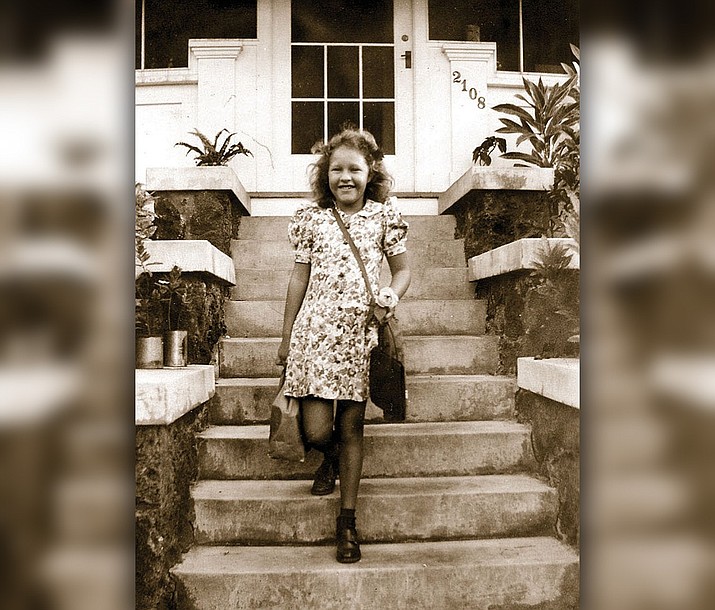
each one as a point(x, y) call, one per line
point(401, 277)
point(294, 299)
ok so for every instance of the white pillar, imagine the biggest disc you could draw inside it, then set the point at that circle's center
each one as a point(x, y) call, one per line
point(471, 64)
point(214, 63)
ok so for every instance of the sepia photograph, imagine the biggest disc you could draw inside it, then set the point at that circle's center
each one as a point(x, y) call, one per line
point(360, 250)
point(362, 345)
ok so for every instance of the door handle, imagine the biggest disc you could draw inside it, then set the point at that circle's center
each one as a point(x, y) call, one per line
point(407, 56)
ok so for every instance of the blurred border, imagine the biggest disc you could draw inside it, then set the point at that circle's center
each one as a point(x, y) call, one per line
point(66, 271)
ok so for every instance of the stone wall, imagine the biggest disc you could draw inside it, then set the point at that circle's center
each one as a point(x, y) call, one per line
point(526, 324)
point(556, 444)
point(210, 215)
point(488, 219)
point(204, 318)
point(166, 466)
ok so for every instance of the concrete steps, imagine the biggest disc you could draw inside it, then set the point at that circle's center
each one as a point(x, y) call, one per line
point(503, 573)
point(457, 355)
point(242, 400)
point(391, 510)
point(427, 283)
point(262, 254)
point(448, 512)
point(424, 317)
point(268, 228)
point(391, 451)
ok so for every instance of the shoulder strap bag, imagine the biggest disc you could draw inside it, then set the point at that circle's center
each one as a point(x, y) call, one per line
point(388, 389)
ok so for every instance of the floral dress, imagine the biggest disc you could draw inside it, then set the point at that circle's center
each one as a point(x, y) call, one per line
point(331, 339)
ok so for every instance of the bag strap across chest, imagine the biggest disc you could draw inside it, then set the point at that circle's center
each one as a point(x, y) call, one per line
point(356, 253)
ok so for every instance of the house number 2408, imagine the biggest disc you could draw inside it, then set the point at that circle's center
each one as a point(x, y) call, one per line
point(471, 91)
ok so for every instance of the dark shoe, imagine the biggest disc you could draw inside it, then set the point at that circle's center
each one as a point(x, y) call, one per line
point(348, 548)
point(324, 482)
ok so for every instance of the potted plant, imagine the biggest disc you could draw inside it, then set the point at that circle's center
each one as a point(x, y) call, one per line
point(147, 320)
point(173, 292)
point(148, 323)
point(550, 124)
point(213, 154)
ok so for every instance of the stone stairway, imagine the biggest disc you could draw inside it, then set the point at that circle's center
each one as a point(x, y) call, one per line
point(448, 513)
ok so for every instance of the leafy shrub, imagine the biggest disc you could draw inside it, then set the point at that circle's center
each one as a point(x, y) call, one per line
point(482, 154)
point(550, 124)
point(144, 228)
point(551, 313)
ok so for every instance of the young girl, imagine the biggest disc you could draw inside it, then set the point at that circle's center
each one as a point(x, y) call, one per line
point(327, 330)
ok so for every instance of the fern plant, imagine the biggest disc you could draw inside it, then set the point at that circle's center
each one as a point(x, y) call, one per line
point(212, 154)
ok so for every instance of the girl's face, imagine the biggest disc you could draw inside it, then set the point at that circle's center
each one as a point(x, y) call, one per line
point(348, 175)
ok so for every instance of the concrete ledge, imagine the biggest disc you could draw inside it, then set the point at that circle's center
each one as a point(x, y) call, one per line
point(191, 255)
point(554, 378)
point(165, 76)
point(515, 256)
point(479, 178)
point(164, 395)
point(212, 178)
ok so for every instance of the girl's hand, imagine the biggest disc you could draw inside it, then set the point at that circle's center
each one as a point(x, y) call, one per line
point(387, 298)
point(283, 352)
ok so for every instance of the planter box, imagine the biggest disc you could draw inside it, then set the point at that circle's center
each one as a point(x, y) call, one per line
point(554, 378)
point(479, 178)
point(198, 256)
point(217, 178)
point(519, 255)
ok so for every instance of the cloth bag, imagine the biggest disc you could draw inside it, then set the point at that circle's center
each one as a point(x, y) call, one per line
point(285, 439)
point(388, 387)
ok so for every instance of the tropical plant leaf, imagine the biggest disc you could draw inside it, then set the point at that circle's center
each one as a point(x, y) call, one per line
point(517, 111)
point(528, 157)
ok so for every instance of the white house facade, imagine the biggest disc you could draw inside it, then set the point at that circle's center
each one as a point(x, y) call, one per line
point(421, 75)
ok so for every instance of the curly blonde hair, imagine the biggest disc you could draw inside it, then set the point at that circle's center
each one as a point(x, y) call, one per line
point(380, 181)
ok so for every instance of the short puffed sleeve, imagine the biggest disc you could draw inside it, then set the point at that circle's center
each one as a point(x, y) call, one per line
point(396, 227)
point(300, 234)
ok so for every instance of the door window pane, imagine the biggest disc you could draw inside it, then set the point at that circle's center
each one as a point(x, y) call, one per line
point(378, 72)
point(307, 126)
point(307, 71)
point(342, 114)
point(342, 32)
point(549, 27)
point(170, 23)
point(341, 21)
point(379, 120)
point(343, 72)
point(479, 20)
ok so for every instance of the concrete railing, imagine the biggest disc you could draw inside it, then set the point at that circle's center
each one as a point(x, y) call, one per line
point(548, 400)
point(171, 407)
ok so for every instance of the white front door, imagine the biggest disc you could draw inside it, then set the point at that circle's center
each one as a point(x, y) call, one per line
point(351, 63)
